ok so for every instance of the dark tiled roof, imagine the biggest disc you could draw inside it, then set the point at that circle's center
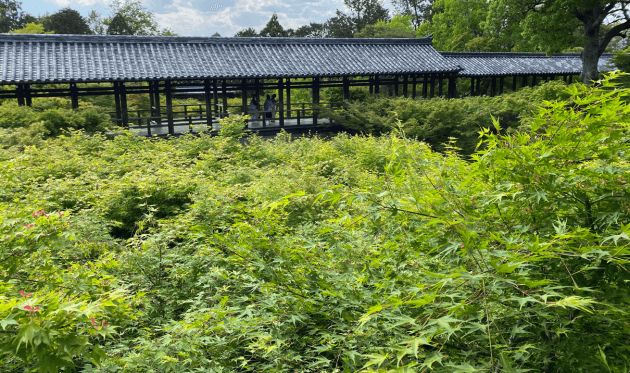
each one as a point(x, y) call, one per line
point(501, 64)
point(80, 58)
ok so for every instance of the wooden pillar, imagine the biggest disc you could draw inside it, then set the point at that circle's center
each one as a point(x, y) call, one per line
point(440, 85)
point(472, 86)
point(289, 97)
point(215, 97)
point(315, 98)
point(425, 86)
point(524, 82)
point(493, 86)
point(151, 98)
point(169, 107)
point(74, 96)
point(377, 84)
point(533, 80)
point(501, 82)
point(244, 96)
point(413, 87)
point(570, 79)
point(158, 105)
point(123, 105)
point(405, 85)
point(396, 83)
point(281, 100)
point(432, 87)
point(564, 78)
point(452, 87)
point(346, 88)
point(371, 83)
point(553, 77)
point(514, 83)
point(224, 98)
point(20, 94)
point(206, 88)
point(27, 95)
point(117, 103)
point(261, 114)
point(478, 86)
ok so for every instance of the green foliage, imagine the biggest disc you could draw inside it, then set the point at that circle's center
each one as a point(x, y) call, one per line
point(55, 116)
point(66, 21)
point(353, 254)
point(436, 120)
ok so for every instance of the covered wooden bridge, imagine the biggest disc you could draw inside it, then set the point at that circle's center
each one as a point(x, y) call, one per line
point(33, 66)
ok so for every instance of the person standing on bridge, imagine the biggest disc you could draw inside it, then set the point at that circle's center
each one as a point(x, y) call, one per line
point(253, 110)
point(268, 106)
point(274, 110)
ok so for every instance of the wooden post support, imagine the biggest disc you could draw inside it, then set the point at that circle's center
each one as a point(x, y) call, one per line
point(169, 107)
point(244, 96)
point(315, 98)
point(215, 97)
point(432, 87)
point(123, 105)
point(151, 98)
point(478, 88)
point(117, 102)
point(413, 87)
point(524, 82)
point(261, 114)
point(289, 97)
point(224, 98)
point(74, 96)
point(346, 88)
point(514, 83)
point(405, 85)
point(472, 86)
point(501, 82)
point(564, 78)
point(440, 86)
point(27, 95)
point(425, 86)
point(371, 83)
point(533, 80)
point(553, 77)
point(206, 89)
point(396, 84)
point(20, 94)
point(452, 87)
point(158, 105)
point(493, 86)
point(570, 79)
point(281, 101)
point(377, 83)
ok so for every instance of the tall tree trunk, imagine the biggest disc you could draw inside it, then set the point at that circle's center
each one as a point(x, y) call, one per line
point(590, 56)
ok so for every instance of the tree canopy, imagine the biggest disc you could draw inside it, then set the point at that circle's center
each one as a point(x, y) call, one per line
point(66, 21)
point(11, 15)
point(273, 28)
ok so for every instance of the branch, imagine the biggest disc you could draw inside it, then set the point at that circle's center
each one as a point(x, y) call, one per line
point(615, 31)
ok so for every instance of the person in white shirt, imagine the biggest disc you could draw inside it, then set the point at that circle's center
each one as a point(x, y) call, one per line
point(253, 110)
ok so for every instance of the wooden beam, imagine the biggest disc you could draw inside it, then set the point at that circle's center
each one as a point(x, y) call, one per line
point(27, 95)
point(315, 98)
point(20, 94)
point(244, 96)
point(224, 97)
point(74, 96)
point(281, 101)
point(425, 86)
point(123, 105)
point(289, 97)
point(158, 105)
point(206, 88)
point(117, 102)
point(514, 83)
point(346, 88)
point(413, 87)
point(169, 107)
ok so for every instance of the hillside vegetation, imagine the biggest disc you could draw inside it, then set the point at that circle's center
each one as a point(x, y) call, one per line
point(353, 254)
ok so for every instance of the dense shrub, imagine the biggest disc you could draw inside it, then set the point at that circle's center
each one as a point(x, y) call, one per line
point(56, 116)
point(436, 120)
point(354, 254)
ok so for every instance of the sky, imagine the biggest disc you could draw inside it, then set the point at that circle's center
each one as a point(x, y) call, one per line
point(205, 17)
